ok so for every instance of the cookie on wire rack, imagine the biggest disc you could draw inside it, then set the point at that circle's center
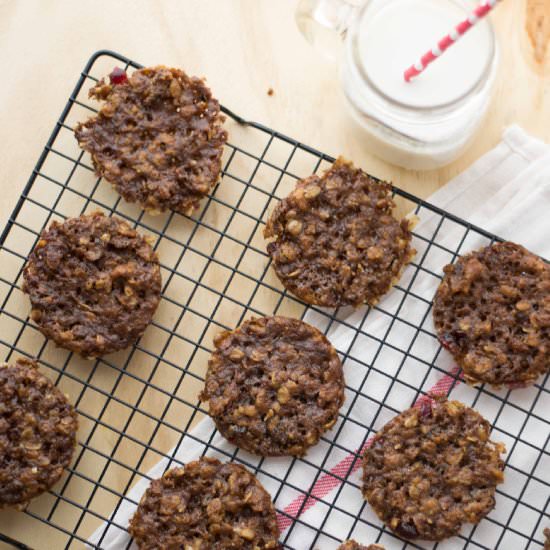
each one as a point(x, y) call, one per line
point(432, 469)
point(547, 539)
point(274, 386)
point(94, 284)
point(37, 433)
point(336, 241)
point(492, 312)
point(353, 545)
point(158, 138)
point(206, 505)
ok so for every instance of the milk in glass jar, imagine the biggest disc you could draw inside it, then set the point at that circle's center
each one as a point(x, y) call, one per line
point(425, 123)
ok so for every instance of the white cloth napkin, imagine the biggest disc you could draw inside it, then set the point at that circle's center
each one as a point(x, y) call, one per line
point(506, 192)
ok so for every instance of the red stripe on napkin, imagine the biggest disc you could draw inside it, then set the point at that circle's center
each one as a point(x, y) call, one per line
point(347, 466)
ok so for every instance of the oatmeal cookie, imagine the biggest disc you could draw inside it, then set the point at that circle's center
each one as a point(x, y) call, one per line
point(352, 545)
point(492, 312)
point(37, 433)
point(431, 469)
point(547, 539)
point(94, 284)
point(336, 241)
point(206, 505)
point(274, 385)
point(158, 138)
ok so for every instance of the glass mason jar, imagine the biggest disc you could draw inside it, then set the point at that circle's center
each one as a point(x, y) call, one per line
point(429, 122)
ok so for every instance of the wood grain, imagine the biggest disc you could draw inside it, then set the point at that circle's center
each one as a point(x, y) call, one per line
point(538, 29)
point(245, 47)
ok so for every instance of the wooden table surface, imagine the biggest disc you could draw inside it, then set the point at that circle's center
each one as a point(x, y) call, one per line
point(243, 47)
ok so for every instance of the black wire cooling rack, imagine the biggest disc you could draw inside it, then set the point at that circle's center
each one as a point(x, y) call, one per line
point(137, 405)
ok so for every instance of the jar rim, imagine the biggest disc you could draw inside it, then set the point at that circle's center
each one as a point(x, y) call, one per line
point(438, 108)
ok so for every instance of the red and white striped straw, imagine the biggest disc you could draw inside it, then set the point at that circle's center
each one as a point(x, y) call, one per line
point(462, 28)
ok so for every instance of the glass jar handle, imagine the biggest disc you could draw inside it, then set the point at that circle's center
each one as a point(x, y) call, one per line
point(324, 23)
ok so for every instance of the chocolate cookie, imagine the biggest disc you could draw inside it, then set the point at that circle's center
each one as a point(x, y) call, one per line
point(492, 312)
point(431, 469)
point(275, 385)
point(206, 505)
point(352, 545)
point(158, 138)
point(94, 284)
point(336, 240)
point(37, 433)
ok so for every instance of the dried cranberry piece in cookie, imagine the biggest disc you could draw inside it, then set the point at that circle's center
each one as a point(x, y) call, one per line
point(118, 76)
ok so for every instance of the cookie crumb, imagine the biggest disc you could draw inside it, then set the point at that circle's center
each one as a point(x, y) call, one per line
point(354, 545)
point(270, 91)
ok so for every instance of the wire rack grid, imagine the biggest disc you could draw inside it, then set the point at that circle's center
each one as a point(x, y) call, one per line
point(136, 406)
